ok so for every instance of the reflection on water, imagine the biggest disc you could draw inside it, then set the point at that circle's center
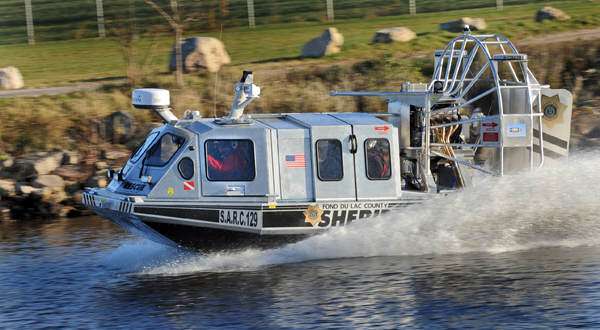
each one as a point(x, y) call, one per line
point(526, 256)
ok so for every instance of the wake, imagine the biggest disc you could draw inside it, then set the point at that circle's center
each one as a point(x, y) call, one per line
point(555, 206)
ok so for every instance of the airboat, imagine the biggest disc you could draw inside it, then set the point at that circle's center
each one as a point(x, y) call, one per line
point(269, 179)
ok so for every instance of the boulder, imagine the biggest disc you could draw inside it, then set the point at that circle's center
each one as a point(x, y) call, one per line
point(98, 181)
point(11, 78)
point(551, 13)
point(70, 158)
point(25, 189)
point(7, 162)
point(5, 214)
point(475, 24)
point(395, 34)
point(53, 196)
point(201, 52)
point(73, 188)
point(118, 127)
point(50, 181)
point(7, 188)
point(31, 167)
point(329, 42)
point(100, 165)
point(71, 173)
point(33, 206)
point(118, 155)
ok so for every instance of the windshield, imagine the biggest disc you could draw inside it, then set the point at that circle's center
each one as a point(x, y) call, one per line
point(142, 149)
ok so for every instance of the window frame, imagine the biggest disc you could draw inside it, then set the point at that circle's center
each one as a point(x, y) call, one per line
point(172, 156)
point(389, 177)
point(341, 154)
point(193, 168)
point(206, 166)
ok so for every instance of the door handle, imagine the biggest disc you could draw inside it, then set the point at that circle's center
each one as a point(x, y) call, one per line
point(353, 144)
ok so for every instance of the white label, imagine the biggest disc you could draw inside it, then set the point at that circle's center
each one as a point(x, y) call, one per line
point(516, 130)
point(241, 218)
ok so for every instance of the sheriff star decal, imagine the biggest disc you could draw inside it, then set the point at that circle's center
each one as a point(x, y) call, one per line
point(313, 215)
point(552, 107)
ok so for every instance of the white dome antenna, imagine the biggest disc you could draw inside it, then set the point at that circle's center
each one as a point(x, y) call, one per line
point(155, 99)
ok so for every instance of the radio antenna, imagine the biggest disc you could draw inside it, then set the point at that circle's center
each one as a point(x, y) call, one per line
point(217, 80)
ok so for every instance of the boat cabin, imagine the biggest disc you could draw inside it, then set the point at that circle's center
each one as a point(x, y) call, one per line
point(302, 157)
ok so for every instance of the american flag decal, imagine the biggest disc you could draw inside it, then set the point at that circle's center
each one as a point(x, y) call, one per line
point(295, 161)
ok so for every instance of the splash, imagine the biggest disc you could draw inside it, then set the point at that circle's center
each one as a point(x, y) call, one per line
point(554, 206)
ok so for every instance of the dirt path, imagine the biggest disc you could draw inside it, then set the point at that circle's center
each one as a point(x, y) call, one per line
point(277, 68)
point(34, 92)
point(577, 35)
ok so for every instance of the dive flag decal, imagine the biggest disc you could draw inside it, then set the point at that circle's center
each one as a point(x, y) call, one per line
point(189, 185)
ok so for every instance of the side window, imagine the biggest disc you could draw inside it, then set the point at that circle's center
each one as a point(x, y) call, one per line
point(186, 168)
point(329, 160)
point(230, 160)
point(377, 153)
point(162, 152)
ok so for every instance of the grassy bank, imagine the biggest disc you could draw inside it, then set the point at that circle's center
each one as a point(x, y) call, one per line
point(76, 19)
point(288, 83)
point(31, 124)
point(267, 47)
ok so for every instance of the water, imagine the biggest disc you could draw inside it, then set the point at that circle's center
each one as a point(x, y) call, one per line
point(513, 252)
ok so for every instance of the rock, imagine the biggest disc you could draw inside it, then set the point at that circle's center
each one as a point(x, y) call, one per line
point(51, 181)
point(7, 188)
point(201, 52)
point(475, 24)
point(53, 196)
point(115, 154)
point(329, 42)
point(397, 34)
point(70, 158)
point(97, 181)
point(72, 173)
point(118, 127)
point(31, 167)
point(32, 206)
point(73, 188)
point(25, 189)
point(77, 198)
point(11, 78)
point(551, 13)
point(101, 165)
point(7, 163)
point(5, 214)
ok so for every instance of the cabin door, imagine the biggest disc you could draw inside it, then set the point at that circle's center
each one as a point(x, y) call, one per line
point(333, 163)
point(375, 155)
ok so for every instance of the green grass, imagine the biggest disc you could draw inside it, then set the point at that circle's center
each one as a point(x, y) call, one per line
point(76, 19)
point(66, 62)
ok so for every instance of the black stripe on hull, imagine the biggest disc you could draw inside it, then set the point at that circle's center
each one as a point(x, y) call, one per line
point(547, 152)
point(212, 239)
point(181, 213)
point(271, 218)
point(552, 139)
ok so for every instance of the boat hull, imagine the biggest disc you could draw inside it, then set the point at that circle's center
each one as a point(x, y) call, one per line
point(233, 226)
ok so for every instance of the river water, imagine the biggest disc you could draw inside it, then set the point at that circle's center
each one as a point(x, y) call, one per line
point(515, 252)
